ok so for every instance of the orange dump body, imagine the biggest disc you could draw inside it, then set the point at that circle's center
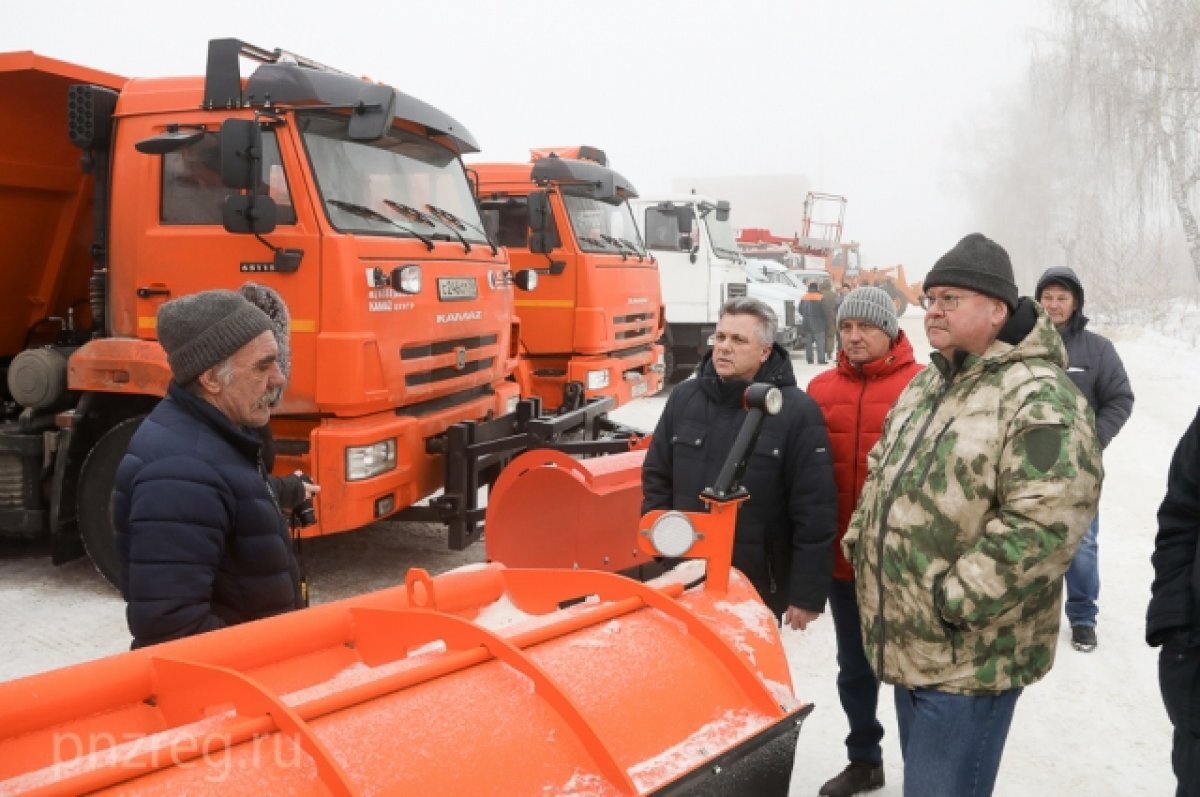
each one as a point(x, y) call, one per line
point(470, 683)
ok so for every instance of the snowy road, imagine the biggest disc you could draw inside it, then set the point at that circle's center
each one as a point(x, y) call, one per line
point(1094, 726)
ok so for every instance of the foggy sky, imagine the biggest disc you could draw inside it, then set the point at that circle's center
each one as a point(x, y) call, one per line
point(872, 99)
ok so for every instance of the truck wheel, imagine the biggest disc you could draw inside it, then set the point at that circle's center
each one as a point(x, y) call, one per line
point(669, 366)
point(93, 503)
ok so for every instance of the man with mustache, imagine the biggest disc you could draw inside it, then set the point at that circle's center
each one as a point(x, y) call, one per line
point(784, 536)
point(984, 481)
point(200, 536)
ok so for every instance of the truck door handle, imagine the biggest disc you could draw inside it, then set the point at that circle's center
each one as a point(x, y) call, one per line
point(146, 293)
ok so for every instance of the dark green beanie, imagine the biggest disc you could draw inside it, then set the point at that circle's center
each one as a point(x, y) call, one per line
point(203, 329)
point(977, 263)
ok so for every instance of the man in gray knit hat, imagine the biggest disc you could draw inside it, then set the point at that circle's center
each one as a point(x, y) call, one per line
point(874, 365)
point(981, 486)
point(200, 537)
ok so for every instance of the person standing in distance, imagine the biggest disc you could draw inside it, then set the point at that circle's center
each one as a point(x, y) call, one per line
point(984, 480)
point(784, 535)
point(1096, 369)
point(201, 540)
point(875, 363)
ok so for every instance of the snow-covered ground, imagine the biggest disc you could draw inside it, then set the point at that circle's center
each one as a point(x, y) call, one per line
point(1094, 726)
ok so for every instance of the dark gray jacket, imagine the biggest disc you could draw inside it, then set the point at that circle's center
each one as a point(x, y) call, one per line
point(784, 537)
point(1092, 362)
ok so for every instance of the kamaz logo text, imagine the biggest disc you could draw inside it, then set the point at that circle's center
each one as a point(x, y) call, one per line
point(448, 318)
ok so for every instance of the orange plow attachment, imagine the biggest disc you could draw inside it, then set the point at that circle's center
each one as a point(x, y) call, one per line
point(548, 509)
point(482, 681)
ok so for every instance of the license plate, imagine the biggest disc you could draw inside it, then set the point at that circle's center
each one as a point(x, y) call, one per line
point(638, 389)
point(451, 289)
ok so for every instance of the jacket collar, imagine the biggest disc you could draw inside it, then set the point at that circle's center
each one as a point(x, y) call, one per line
point(245, 441)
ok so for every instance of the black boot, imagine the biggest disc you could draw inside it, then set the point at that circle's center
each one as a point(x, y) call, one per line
point(858, 777)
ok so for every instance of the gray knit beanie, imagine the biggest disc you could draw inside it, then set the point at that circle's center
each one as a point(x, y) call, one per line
point(270, 302)
point(872, 305)
point(202, 329)
point(977, 263)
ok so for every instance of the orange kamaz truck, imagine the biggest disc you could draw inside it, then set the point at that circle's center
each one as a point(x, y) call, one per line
point(588, 329)
point(347, 196)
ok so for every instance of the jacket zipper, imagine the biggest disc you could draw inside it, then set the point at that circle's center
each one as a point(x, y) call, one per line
point(885, 510)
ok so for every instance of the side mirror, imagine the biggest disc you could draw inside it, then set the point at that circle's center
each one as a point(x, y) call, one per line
point(685, 243)
point(722, 210)
point(540, 223)
point(241, 153)
point(249, 214)
point(170, 141)
point(685, 217)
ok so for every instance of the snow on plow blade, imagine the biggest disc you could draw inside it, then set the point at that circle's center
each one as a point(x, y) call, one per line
point(484, 680)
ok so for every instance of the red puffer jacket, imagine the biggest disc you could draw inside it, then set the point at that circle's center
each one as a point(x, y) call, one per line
point(855, 402)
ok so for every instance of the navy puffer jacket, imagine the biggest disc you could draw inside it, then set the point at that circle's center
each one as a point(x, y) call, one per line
point(785, 531)
point(200, 537)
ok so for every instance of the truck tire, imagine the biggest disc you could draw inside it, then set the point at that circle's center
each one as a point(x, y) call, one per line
point(670, 376)
point(93, 503)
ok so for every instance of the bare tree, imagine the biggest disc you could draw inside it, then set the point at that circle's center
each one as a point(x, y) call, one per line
point(1133, 67)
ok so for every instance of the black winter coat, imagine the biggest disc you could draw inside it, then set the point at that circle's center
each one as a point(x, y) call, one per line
point(1174, 612)
point(1093, 363)
point(200, 537)
point(785, 532)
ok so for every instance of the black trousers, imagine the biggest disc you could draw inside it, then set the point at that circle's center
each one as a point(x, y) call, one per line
point(1179, 679)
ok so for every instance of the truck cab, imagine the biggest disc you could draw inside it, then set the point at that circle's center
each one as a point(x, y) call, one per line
point(700, 266)
point(590, 327)
point(348, 197)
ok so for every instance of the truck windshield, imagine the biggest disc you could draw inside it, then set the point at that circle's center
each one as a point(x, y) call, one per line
point(603, 227)
point(720, 235)
point(402, 184)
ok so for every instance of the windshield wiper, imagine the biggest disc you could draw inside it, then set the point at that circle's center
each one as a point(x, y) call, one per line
point(456, 223)
point(732, 253)
point(364, 212)
point(615, 243)
point(594, 241)
point(641, 258)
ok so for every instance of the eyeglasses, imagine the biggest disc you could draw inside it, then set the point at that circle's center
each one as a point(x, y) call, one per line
point(947, 301)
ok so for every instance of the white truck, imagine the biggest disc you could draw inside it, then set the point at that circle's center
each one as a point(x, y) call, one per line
point(700, 267)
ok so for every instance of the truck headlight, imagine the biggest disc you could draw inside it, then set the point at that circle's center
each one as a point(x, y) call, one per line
point(363, 462)
point(673, 534)
point(406, 279)
point(597, 379)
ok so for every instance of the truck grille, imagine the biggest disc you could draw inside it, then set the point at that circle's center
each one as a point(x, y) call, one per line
point(642, 325)
point(470, 362)
point(789, 313)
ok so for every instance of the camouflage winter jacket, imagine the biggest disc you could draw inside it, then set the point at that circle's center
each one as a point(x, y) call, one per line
point(984, 481)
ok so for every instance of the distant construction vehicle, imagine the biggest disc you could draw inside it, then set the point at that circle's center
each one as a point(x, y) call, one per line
point(819, 245)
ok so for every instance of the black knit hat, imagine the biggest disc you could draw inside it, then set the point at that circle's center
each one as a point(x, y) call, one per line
point(979, 264)
point(202, 329)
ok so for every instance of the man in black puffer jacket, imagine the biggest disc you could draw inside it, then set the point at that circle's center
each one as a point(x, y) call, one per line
point(785, 532)
point(1173, 617)
point(200, 536)
point(1096, 369)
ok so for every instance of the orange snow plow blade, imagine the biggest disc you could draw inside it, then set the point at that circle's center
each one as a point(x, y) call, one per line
point(475, 682)
point(548, 509)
